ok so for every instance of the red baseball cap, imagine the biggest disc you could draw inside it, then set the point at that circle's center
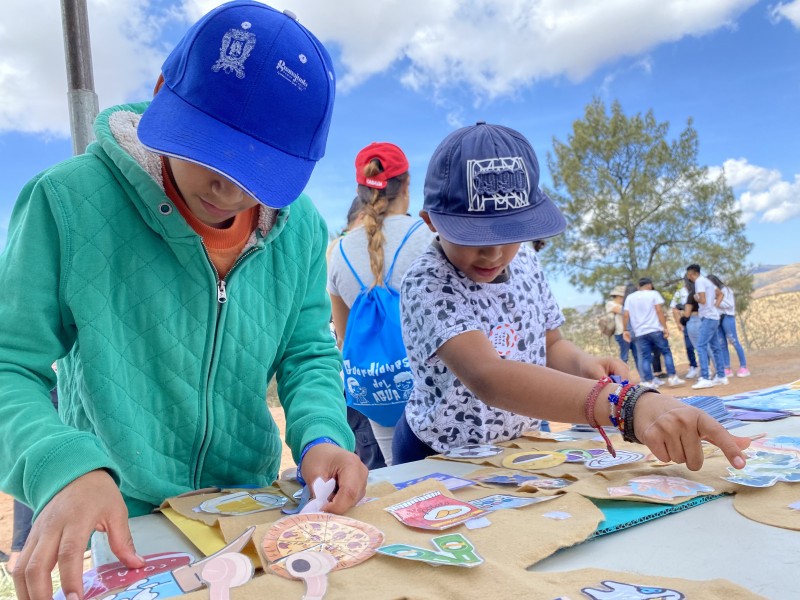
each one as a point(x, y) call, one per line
point(392, 159)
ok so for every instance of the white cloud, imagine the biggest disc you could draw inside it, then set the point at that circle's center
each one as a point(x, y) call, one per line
point(763, 193)
point(787, 10)
point(493, 48)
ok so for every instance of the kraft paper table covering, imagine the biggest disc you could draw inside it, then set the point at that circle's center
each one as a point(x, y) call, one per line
point(770, 506)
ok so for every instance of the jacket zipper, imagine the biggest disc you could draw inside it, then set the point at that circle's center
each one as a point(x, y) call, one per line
point(222, 298)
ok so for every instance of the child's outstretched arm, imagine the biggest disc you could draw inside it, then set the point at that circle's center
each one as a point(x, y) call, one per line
point(564, 356)
point(673, 430)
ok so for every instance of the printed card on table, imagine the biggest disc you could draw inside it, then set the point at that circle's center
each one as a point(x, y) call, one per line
point(451, 482)
point(434, 511)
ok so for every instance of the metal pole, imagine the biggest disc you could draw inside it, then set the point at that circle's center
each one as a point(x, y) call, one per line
point(83, 105)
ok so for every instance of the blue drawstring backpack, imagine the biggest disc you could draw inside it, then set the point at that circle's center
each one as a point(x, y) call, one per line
point(377, 378)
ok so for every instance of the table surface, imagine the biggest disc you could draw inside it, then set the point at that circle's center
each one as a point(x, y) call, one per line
point(708, 541)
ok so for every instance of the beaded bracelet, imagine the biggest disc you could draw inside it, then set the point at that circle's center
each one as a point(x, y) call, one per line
point(614, 404)
point(617, 408)
point(588, 408)
point(632, 398)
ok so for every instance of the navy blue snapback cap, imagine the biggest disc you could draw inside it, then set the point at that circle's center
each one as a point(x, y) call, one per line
point(482, 189)
point(248, 92)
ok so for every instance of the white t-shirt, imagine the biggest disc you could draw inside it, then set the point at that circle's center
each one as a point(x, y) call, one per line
point(679, 297)
point(641, 306)
point(708, 309)
point(341, 281)
point(438, 302)
point(728, 304)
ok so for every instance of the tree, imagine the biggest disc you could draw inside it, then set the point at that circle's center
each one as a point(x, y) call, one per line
point(639, 204)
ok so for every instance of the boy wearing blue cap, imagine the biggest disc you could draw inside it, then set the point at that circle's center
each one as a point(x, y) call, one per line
point(481, 325)
point(172, 280)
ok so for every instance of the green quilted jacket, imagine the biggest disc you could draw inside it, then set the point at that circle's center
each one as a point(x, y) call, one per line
point(161, 381)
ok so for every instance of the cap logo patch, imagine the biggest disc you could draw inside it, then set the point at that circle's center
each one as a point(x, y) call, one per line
point(237, 44)
point(502, 181)
point(290, 76)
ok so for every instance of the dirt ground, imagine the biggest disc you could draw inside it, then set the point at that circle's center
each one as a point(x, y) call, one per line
point(769, 367)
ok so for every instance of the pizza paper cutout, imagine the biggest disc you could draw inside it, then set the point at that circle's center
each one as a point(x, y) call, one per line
point(349, 541)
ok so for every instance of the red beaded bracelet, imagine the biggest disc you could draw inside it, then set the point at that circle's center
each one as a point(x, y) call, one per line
point(588, 408)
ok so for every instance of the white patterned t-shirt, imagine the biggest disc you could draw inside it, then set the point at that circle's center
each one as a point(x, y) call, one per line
point(439, 302)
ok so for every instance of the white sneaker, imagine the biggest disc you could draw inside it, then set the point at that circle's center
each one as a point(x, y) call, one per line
point(703, 383)
point(675, 380)
point(658, 381)
point(650, 385)
point(692, 373)
point(720, 380)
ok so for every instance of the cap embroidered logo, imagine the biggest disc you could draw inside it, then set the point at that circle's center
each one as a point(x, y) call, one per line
point(503, 181)
point(236, 47)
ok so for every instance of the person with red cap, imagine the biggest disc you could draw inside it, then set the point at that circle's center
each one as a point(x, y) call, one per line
point(179, 268)
point(376, 254)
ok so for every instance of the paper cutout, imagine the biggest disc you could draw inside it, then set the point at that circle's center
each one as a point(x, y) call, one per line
point(349, 541)
point(323, 490)
point(226, 571)
point(579, 455)
point(453, 549)
point(543, 483)
point(615, 590)
point(795, 506)
point(765, 469)
point(660, 487)
point(469, 451)
point(434, 511)
point(451, 482)
point(477, 523)
point(605, 460)
point(206, 538)
point(503, 501)
point(780, 444)
point(148, 583)
point(313, 568)
point(557, 515)
point(114, 576)
point(781, 397)
point(242, 503)
point(534, 460)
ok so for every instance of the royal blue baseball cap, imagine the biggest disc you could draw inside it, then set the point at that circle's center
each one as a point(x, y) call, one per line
point(248, 92)
point(482, 189)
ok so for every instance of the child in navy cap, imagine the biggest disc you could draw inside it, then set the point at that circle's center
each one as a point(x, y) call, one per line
point(481, 325)
point(172, 271)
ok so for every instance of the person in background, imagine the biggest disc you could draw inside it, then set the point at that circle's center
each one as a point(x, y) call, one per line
point(481, 325)
point(367, 447)
point(643, 310)
point(676, 306)
point(382, 180)
point(708, 347)
point(178, 268)
point(726, 304)
point(614, 305)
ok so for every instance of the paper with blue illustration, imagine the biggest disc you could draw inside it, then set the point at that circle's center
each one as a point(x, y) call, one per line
point(780, 397)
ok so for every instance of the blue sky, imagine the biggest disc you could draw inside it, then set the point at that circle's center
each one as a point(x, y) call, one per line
point(410, 71)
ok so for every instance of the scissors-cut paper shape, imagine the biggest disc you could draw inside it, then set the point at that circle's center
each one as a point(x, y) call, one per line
point(605, 460)
point(434, 511)
point(660, 487)
point(451, 482)
point(323, 490)
point(518, 479)
point(615, 590)
point(226, 571)
point(534, 460)
point(452, 549)
point(349, 541)
point(503, 501)
point(580, 455)
point(242, 503)
point(470, 451)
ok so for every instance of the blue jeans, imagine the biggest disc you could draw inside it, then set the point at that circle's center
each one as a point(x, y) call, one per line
point(689, 348)
point(406, 446)
point(645, 344)
point(367, 447)
point(624, 347)
point(709, 341)
point(727, 333)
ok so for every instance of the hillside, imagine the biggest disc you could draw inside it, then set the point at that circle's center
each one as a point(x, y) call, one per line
point(776, 280)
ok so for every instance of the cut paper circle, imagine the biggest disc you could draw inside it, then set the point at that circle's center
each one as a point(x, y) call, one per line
point(579, 455)
point(242, 503)
point(605, 460)
point(470, 451)
point(534, 460)
point(349, 541)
